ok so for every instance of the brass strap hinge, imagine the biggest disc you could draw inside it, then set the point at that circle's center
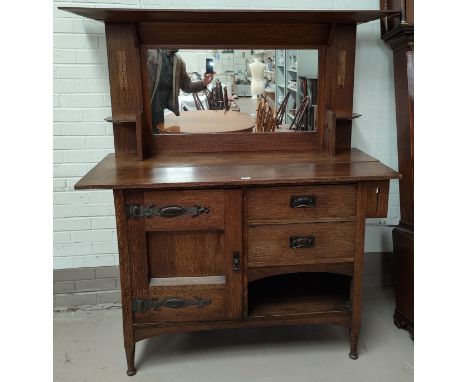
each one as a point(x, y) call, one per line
point(141, 306)
point(136, 211)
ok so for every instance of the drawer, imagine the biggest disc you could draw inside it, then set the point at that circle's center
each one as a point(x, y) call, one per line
point(301, 203)
point(188, 302)
point(296, 244)
point(377, 198)
point(185, 210)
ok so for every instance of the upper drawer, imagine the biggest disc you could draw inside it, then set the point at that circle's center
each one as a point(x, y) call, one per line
point(184, 210)
point(298, 203)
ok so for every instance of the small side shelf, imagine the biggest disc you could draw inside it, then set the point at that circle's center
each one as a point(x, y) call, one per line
point(124, 119)
point(128, 134)
point(347, 116)
point(299, 294)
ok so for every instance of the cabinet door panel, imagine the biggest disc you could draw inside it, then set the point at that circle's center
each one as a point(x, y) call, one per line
point(186, 270)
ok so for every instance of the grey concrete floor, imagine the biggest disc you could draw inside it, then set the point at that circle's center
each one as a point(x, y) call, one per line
point(88, 346)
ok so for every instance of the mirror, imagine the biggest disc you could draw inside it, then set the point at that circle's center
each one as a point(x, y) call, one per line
point(232, 91)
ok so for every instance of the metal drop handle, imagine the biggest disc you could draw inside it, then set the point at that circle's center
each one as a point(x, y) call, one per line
point(302, 201)
point(302, 242)
point(236, 261)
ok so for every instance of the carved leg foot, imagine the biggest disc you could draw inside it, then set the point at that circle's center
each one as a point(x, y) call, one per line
point(130, 353)
point(353, 342)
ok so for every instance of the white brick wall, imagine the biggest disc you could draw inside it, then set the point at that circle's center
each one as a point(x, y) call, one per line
point(84, 226)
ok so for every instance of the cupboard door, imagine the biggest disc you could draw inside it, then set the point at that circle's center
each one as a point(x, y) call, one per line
point(187, 265)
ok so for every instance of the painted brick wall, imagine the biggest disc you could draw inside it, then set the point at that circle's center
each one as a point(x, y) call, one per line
point(84, 226)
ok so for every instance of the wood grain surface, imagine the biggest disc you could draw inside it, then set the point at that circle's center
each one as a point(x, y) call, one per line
point(186, 254)
point(234, 142)
point(269, 244)
point(342, 268)
point(143, 331)
point(126, 172)
point(211, 199)
point(215, 310)
point(274, 203)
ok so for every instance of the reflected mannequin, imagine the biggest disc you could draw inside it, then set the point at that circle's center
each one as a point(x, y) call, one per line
point(167, 75)
point(257, 86)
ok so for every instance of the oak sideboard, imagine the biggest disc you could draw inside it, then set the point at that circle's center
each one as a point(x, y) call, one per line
point(237, 230)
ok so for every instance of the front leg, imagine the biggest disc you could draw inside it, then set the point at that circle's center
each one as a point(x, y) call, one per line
point(130, 353)
point(353, 342)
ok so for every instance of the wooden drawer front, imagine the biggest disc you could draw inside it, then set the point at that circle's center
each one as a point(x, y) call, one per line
point(296, 203)
point(180, 201)
point(188, 303)
point(270, 245)
point(377, 199)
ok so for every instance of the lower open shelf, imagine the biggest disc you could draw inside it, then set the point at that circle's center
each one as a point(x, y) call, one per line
point(298, 294)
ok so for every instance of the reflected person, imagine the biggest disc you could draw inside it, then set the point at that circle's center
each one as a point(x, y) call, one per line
point(167, 75)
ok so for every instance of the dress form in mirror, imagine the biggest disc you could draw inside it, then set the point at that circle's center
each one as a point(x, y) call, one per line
point(257, 86)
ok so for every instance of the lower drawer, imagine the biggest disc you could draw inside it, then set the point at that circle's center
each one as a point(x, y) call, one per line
point(295, 244)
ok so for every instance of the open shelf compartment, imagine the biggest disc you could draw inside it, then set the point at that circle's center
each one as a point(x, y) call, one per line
point(299, 294)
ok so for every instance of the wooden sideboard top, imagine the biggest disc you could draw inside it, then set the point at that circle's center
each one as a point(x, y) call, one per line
point(232, 169)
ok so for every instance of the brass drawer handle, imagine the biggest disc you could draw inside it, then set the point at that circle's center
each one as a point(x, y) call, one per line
point(137, 211)
point(302, 242)
point(302, 201)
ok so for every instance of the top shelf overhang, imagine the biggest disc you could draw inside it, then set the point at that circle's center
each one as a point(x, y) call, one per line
point(230, 15)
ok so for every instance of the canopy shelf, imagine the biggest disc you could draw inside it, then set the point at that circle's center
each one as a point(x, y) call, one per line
point(230, 16)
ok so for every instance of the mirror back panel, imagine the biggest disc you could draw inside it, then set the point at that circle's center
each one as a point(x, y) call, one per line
point(131, 33)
